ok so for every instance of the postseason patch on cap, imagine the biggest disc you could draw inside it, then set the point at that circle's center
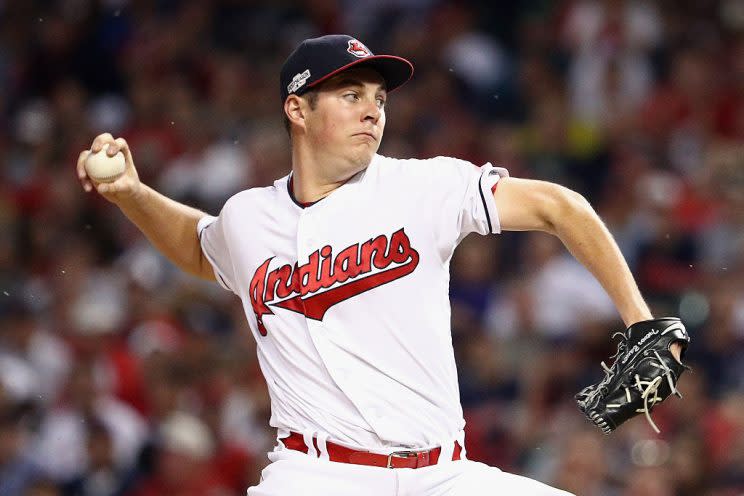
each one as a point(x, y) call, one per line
point(357, 49)
point(298, 81)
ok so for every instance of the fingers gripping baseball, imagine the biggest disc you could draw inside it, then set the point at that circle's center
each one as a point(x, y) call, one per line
point(125, 185)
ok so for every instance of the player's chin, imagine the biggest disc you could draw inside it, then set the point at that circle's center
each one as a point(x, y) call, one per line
point(363, 157)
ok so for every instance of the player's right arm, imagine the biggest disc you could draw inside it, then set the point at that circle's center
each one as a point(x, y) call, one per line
point(170, 226)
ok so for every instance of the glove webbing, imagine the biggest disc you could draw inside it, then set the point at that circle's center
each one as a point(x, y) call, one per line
point(649, 389)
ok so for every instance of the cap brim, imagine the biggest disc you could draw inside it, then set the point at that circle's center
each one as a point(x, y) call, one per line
point(396, 71)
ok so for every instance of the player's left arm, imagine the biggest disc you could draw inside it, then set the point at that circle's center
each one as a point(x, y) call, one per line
point(529, 205)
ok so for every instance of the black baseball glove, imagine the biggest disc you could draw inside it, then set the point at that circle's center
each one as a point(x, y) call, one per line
point(643, 374)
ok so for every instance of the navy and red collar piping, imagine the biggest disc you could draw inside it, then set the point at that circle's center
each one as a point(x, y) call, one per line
point(290, 190)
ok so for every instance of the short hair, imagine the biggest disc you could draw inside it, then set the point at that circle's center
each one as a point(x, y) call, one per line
point(312, 99)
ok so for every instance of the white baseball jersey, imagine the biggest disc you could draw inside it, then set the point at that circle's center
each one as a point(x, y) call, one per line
point(348, 298)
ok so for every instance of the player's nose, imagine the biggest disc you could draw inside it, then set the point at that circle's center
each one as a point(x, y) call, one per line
point(372, 111)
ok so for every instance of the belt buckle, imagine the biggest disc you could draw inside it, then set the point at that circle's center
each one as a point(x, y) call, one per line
point(402, 454)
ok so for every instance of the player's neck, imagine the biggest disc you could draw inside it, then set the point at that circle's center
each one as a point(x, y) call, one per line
point(311, 182)
point(309, 188)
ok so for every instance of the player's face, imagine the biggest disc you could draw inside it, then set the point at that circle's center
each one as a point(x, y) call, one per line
point(348, 120)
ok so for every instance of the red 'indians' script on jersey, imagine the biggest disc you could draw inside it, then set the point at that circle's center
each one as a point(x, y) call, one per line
point(295, 287)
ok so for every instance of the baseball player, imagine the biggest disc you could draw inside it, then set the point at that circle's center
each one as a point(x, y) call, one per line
point(342, 267)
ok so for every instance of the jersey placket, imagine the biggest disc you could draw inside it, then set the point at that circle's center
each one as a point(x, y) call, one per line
point(306, 242)
point(309, 240)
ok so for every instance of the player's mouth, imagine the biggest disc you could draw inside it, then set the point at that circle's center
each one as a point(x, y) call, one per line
point(369, 135)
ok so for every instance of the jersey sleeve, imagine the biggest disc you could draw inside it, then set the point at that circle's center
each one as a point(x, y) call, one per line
point(463, 193)
point(211, 231)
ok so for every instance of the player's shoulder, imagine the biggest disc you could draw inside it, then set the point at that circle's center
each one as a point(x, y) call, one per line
point(440, 161)
point(245, 198)
point(255, 197)
point(433, 166)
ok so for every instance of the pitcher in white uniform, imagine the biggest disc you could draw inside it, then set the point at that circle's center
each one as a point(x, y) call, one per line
point(343, 270)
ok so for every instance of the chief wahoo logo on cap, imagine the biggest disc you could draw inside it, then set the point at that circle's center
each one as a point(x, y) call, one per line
point(357, 49)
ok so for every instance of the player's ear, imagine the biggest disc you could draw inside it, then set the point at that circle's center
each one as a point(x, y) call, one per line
point(293, 109)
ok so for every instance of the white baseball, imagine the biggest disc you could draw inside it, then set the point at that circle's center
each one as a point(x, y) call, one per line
point(104, 169)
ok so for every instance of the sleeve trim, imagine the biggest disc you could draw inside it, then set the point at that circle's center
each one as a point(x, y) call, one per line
point(483, 199)
point(490, 177)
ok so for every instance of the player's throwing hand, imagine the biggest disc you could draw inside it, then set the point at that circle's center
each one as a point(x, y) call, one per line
point(126, 186)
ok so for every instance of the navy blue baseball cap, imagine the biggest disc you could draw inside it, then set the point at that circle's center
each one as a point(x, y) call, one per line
point(317, 59)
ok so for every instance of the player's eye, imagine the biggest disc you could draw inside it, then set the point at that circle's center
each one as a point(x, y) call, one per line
point(380, 102)
point(352, 96)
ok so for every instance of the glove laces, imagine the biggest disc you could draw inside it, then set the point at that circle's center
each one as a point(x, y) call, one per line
point(650, 390)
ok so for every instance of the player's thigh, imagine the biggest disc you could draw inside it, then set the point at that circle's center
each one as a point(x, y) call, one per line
point(307, 476)
point(479, 478)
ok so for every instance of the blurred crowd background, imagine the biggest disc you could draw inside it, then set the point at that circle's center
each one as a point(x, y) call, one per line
point(121, 376)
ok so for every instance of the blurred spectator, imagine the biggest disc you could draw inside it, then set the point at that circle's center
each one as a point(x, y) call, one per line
point(104, 477)
point(61, 447)
point(33, 362)
point(688, 461)
point(582, 468)
point(679, 114)
point(43, 487)
point(18, 472)
point(649, 482)
point(723, 340)
point(473, 268)
point(730, 106)
point(563, 296)
point(184, 453)
point(612, 43)
point(721, 241)
point(668, 259)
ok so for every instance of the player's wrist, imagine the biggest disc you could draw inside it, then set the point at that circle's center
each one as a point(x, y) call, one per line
point(637, 316)
point(134, 197)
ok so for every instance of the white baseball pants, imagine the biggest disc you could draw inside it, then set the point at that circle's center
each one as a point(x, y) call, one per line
point(293, 473)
